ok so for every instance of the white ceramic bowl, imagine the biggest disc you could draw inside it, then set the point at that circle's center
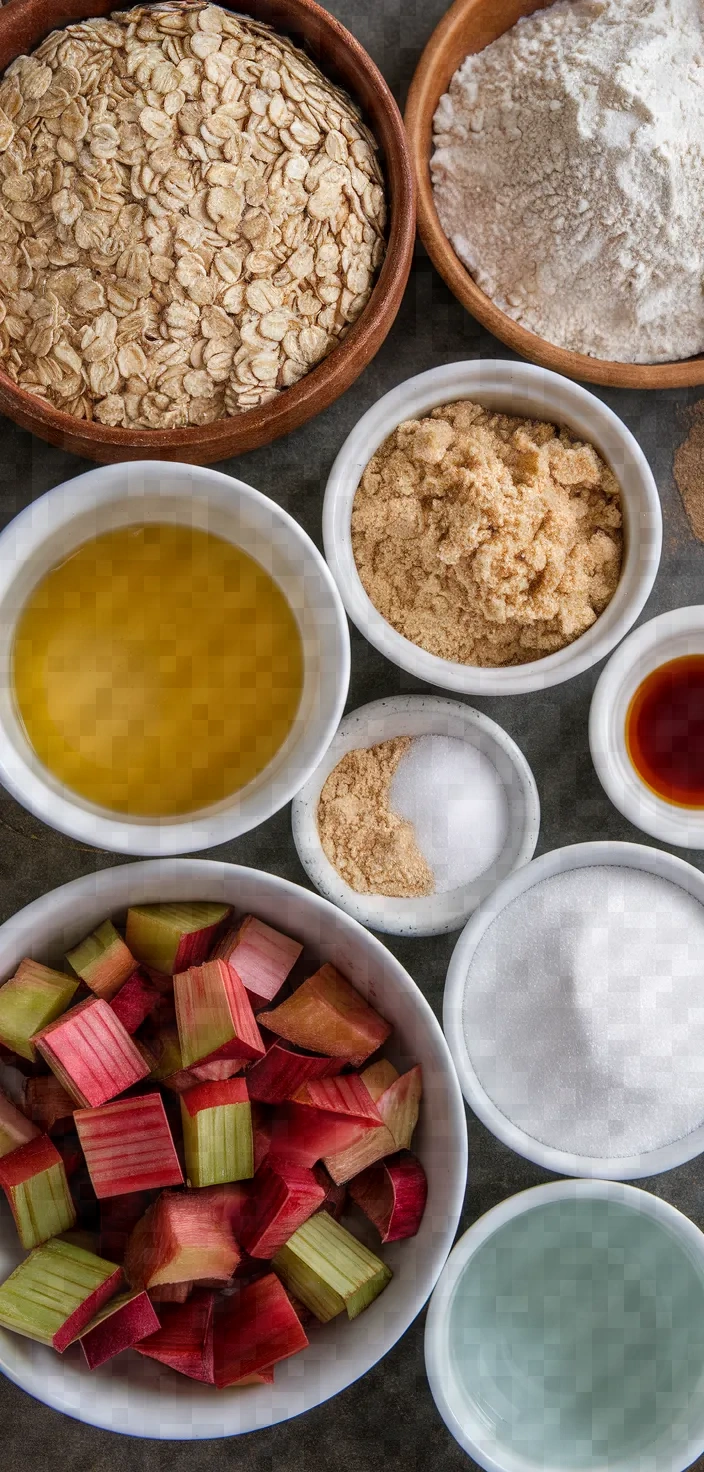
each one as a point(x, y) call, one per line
point(511, 388)
point(138, 1396)
point(670, 636)
point(417, 715)
point(117, 495)
point(677, 1439)
point(559, 861)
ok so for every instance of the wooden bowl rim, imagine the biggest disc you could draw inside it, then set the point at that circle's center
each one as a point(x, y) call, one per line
point(423, 98)
point(329, 379)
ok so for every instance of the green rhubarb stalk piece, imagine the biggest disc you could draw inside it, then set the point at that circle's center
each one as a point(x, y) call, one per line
point(172, 937)
point(103, 961)
point(217, 1133)
point(55, 1293)
point(327, 1015)
point(29, 1001)
point(214, 1015)
point(329, 1270)
point(34, 1181)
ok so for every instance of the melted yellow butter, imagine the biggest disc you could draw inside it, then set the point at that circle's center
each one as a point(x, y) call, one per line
point(157, 670)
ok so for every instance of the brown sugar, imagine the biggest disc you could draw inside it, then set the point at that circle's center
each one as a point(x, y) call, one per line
point(372, 848)
point(485, 539)
point(689, 470)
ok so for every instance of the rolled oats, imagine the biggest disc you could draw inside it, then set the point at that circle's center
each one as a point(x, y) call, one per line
point(191, 216)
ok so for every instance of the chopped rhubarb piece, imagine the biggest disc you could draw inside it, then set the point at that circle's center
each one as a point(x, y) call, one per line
point(185, 1340)
point(120, 1325)
point(15, 1128)
point(398, 1107)
point(135, 1001)
point(393, 1195)
point(302, 1135)
point(379, 1076)
point(327, 1015)
point(53, 1295)
point(180, 1238)
point(346, 1095)
point(283, 1197)
point(29, 1001)
point(258, 1328)
point(91, 1054)
point(231, 1203)
point(102, 961)
point(34, 1181)
point(214, 1015)
point(118, 1218)
point(283, 1070)
point(261, 956)
point(172, 1292)
point(217, 1133)
point(47, 1102)
point(329, 1270)
point(170, 938)
point(335, 1197)
point(128, 1146)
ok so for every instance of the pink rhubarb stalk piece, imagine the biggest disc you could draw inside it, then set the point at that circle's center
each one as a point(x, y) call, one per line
point(102, 961)
point(302, 1135)
point(120, 1325)
point(392, 1194)
point(46, 1101)
point(346, 1095)
point(118, 1219)
point(326, 1015)
point(171, 937)
point(91, 1054)
point(258, 1328)
point(261, 956)
point(283, 1197)
point(230, 1203)
point(135, 1001)
point(214, 1015)
point(53, 1295)
point(128, 1146)
point(283, 1070)
point(181, 1238)
point(34, 1181)
point(185, 1340)
point(398, 1107)
point(15, 1128)
point(217, 1133)
point(29, 1001)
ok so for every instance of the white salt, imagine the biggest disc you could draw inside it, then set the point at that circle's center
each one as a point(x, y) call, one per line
point(584, 1012)
point(453, 795)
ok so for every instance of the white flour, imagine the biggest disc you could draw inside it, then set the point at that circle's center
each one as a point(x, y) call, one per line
point(569, 175)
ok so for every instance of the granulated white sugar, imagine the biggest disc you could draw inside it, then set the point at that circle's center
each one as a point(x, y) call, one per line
point(453, 795)
point(584, 1012)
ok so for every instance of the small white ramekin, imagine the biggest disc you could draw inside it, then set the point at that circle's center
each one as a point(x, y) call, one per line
point(560, 861)
point(420, 715)
point(481, 1434)
point(525, 390)
point(670, 636)
point(119, 495)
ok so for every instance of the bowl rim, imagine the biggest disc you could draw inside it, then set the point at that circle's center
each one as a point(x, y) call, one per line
point(411, 917)
point(423, 98)
point(33, 528)
point(552, 396)
point(643, 651)
point(437, 1362)
point(599, 852)
point(329, 379)
point(120, 885)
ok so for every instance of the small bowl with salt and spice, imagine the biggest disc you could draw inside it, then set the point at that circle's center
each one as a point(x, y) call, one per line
point(417, 811)
point(573, 1011)
point(646, 727)
point(493, 528)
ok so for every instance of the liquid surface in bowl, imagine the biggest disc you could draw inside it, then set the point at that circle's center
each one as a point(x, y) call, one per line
point(665, 731)
point(157, 670)
point(577, 1331)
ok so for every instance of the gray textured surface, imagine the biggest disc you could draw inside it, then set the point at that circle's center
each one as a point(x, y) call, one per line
point(387, 1420)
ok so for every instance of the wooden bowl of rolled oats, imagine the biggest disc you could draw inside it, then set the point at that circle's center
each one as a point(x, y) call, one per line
point(206, 222)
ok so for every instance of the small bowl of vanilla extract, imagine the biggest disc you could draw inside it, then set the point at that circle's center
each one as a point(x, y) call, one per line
point(646, 728)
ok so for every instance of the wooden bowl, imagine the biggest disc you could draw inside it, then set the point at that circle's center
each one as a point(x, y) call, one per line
point(468, 27)
point(23, 24)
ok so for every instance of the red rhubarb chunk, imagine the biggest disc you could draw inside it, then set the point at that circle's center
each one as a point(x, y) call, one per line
point(91, 1053)
point(185, 1340)
point(135, 1001)
point(213, 1095)
point(261, 956)
point(78, 1321)
point(327, 1015)
point(128, 1146)
point(180, 1238)
point(393, 1195)
point(214, 1016)
point(283, 1070)
point(28, 1160)
point(119, 1326)
point(346, 1095)
point(302, 1135)
point(283, 1197)
point(258, 1328)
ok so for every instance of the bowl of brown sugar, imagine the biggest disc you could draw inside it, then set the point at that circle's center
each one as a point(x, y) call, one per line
point(492, 527)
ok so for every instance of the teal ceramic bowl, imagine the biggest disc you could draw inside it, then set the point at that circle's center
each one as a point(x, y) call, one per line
point(566, 1333)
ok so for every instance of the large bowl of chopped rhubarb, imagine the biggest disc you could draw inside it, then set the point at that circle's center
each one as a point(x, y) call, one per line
point(233, 1149)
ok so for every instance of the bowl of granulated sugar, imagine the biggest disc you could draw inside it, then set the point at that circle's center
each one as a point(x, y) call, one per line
point(574, 1011)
